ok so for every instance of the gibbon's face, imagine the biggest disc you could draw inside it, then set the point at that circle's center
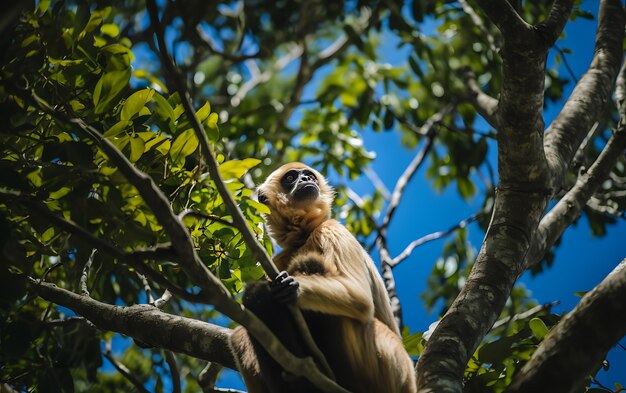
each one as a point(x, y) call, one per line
point(299, 199)
point(293, 184)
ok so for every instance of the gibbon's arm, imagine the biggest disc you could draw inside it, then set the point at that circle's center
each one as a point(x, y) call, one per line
point(336, 295)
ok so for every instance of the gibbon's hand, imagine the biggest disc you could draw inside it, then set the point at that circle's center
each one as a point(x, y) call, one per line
point(284, 288)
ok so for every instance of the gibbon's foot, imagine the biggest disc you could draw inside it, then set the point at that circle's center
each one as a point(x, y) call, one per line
point(284, 288)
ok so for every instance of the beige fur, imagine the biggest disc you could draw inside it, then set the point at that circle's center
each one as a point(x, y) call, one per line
point(349, 287)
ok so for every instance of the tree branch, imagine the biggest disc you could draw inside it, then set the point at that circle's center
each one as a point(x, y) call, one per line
point(479, 23)
point(483, 102)
point(122, 369)
point(504, 16)
point(147, 324)
point(175, 374)
point(524, 315)
point(521, 198)
point(554, 24)
point(591, 95)
point(579, 342)
point(568, 209)
point(245, 318)
point(428, 129)
point(430, 237)
point(228, 56)
point(95, 242)
point(84, 290)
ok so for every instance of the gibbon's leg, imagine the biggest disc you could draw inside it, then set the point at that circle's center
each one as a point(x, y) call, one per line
point(247, 362)
point(395, 366)
point(269, 303)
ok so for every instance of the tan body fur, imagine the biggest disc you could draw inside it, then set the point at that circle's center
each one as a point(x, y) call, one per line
point(338, 281)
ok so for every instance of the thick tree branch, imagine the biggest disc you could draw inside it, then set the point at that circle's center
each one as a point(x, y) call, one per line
point(554, 24)
point(579, 342)
point(147, 324)
point(504, 16)
point(591, 95)
point(521, 198)
point(483, 102)
point(568, 209)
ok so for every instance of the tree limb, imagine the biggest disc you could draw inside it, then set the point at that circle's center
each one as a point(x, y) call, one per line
point(84, 290)
point(504, 16)
point(430, 237)
point(591, 95)
point(521, 198)
point(97, 243)
point(126, 373)
point(175, 374)
point(554, 24)
point(312, 373)
point(147, 324)
point(483, 102)
point(428, 129)
point(568, 209)
point(579, 342)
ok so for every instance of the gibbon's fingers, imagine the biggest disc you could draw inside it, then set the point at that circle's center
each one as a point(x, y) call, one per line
point(284, 288)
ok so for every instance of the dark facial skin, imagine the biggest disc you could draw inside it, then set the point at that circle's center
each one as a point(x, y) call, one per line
point(301, 184)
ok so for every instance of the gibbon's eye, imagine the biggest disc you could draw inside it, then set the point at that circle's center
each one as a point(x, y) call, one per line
point(290, 177)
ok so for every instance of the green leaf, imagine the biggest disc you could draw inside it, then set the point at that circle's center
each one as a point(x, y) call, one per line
point(184, 144)
point(539, 329)
point(135, 103)
point(163, 108)
point(203, 112)
point(108, 88)
point(137, 147)
point(234, 169)
point(117, 129)
point(261, 208)
point(43, 5)
point(466, 188)
point(110, 29)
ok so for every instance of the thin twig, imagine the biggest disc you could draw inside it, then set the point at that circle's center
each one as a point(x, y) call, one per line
point(85, 275)
point(171, 362)
point(122, 369)
point(162, 301)
point(208, 376)
point(433, 236)
point(210, 217)
point(146, 287)
point(526, 314)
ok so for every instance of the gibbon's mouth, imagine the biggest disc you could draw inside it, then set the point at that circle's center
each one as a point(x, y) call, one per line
point(306, 191)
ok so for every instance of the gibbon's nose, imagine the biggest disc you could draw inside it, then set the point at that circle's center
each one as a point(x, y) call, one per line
point(306, 177)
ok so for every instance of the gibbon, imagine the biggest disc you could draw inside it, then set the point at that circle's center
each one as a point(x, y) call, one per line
point(335, 284)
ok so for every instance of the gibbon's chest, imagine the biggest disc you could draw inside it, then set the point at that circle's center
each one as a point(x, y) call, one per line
point(333, 243)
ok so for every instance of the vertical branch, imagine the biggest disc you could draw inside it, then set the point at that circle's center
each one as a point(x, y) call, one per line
point(237, 215)
point(85, 275)
point(171, 362)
